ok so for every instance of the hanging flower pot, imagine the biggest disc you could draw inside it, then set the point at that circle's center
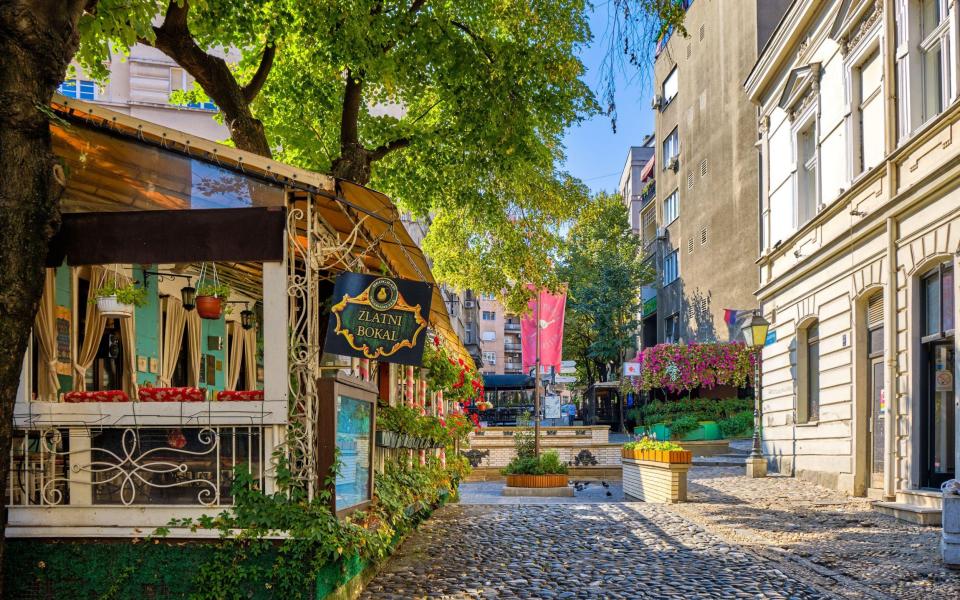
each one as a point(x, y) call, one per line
point(110, 307)
point(209, 307)
point(118, 301)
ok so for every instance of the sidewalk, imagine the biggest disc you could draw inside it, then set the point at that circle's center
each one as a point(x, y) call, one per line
point(850, 549)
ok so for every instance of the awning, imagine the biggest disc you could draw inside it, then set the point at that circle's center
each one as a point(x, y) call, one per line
point(507, 382)
point(372, 220)
point(648, 168)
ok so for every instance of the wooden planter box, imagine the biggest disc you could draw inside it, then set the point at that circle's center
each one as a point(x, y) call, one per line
point(537, 481)
point(656, 481)
point(664, 456)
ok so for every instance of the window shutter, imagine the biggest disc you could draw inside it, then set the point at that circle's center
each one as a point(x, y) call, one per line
point(875, 310)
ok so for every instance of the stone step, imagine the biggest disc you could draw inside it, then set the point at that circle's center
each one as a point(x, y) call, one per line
point(928, 498)
point(912, 513)
point(720, 460)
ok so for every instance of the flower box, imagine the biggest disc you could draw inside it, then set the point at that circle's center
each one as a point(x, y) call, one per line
point(652, 480)
point(665, 456)
point(96, 396)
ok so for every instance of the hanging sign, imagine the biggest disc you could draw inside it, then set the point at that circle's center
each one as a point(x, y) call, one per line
point(632, 369)
point(379, 318)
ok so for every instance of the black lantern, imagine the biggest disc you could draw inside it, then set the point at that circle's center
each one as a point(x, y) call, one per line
point(246, 318)
point(188, 296)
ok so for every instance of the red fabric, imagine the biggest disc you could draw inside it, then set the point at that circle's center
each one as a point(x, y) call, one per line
point(546, 337)
point(172, 394)
point(101, 396)
point(648, 168)
point(240, 396)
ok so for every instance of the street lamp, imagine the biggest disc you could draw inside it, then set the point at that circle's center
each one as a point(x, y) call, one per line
point(755, 335)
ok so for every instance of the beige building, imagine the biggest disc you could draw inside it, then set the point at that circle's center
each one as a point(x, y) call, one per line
point(499, 337)
point(860, 238)
point(706, 171)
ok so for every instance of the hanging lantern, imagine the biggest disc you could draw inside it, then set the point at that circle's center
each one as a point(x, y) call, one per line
point(246, 318)
point(188, 295)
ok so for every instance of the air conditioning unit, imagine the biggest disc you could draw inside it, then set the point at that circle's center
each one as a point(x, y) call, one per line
point(674, 164)
point(468, 304)
point(657, 102)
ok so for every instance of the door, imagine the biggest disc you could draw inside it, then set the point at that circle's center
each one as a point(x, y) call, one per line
point(876, 425)
point(940, 417)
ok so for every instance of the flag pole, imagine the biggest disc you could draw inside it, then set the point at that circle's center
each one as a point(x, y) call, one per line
point(536, 389)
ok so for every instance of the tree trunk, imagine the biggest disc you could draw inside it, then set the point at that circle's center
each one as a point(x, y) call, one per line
point(37, 42)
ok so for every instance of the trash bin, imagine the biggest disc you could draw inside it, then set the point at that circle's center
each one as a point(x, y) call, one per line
point(950, 540)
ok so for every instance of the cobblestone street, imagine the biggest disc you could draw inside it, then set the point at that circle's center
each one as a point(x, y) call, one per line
point(623, 550)
point(737, 537)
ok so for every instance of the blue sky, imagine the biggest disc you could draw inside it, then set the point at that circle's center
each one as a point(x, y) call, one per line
point(594, 153)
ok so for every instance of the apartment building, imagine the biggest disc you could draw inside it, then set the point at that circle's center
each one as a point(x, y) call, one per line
point(638, 189)
point(499, 337)
point(857, 104)
point(706, 238)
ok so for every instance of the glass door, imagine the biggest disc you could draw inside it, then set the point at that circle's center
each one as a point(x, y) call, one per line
point(941, 414)
point(876, 425)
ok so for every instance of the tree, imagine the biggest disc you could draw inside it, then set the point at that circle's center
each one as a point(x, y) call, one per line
point(604, 268)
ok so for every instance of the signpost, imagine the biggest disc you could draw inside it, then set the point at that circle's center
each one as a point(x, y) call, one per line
point(379, 318)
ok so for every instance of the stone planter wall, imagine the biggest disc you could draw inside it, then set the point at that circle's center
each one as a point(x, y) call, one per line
point(652, 481)
point(494, 448)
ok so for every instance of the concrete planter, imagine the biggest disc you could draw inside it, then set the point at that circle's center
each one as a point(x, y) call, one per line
point(655, 481)
point(536, 481)
point(950, 540)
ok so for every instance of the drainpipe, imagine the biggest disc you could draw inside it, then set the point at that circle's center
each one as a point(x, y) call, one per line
point(890, 356)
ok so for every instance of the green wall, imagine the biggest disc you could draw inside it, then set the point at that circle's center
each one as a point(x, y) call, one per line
point(148, 328)
point(64, 297)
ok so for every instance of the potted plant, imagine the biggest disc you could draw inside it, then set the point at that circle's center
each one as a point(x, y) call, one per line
point(210, 298)
point(544, 471)
point(114, 300)
point(655, 471)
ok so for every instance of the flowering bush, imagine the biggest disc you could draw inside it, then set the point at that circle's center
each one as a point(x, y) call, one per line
point(688, 366)
point(459, 382)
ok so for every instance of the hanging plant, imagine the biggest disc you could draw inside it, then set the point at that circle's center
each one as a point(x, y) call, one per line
point(679, 367)
point(118, 300)
point(211, 294)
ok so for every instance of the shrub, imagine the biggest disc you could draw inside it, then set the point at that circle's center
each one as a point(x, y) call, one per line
point(681, 426)
point(737, 425)
point(547, 463)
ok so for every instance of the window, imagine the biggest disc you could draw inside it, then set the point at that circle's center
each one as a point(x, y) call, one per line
point(810, 374)
point(489, 358)
point(671, 148)
point(181, 80)
point(869, 112)
point(933, 53)
point(937, 289)
point(670, 87)
point(489, 315)
point(649, 220)
point(671, 329)
point(807, 184)
point(488, 296)
point(670, 268)
point(489, 336)
point(671, 208)
point(83, 89)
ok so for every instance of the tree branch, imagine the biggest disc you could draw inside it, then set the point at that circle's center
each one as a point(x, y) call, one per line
point(381, 151)
point(253, 87)
point(477, 40)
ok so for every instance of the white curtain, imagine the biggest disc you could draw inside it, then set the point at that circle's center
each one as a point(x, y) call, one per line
point(128, 339)
point(45, 333)
point(92, 333)
point(176, 318)
point(250, 356)
point(234, 352)
point(194, 335)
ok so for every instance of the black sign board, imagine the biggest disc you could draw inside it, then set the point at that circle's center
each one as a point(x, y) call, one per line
point(379, 318)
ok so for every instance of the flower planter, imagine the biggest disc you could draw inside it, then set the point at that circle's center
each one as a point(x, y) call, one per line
point(386, 439)
point(654, 480)
point(209, 307)
point(537, 481)
point(110, 307)
point(664, 456)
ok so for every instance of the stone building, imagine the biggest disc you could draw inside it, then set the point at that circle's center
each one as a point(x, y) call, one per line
point(706, 208)
point(860, 237)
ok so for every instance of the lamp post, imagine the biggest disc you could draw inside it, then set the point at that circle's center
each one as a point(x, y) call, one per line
point(755, 335)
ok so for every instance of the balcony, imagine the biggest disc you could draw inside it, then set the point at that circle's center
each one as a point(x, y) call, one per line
point(512, 348)
point(512, 366)
point(511, 326)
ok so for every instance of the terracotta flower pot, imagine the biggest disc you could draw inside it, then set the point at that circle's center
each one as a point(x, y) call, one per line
point(209, 307)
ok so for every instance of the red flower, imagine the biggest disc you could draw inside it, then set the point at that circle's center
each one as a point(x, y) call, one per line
point(436, 341)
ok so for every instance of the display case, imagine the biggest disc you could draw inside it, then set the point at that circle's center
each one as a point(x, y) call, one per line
point(346, 423)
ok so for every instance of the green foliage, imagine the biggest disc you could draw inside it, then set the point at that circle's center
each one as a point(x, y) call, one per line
point(648, 444)
point(548, 463)
point(604, 269)
point(130, 293)
point(683, 425)
point(699, 409)
point(738, 425)
point(219, 290)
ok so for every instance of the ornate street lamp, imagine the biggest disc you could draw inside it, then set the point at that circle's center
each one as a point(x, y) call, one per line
point(755, 335)
point(188, 295)
point(246, 318)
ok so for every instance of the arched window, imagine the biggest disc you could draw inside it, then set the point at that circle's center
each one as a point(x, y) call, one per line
point(808, 408)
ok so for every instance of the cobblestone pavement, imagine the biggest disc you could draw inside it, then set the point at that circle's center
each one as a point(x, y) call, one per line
point(820, 535)
point(613, 550)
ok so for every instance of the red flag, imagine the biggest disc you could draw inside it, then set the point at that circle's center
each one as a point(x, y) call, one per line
point(541, 330)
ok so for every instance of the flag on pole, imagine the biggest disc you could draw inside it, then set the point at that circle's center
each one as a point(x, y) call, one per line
point(730, 316)
point(541, 330)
